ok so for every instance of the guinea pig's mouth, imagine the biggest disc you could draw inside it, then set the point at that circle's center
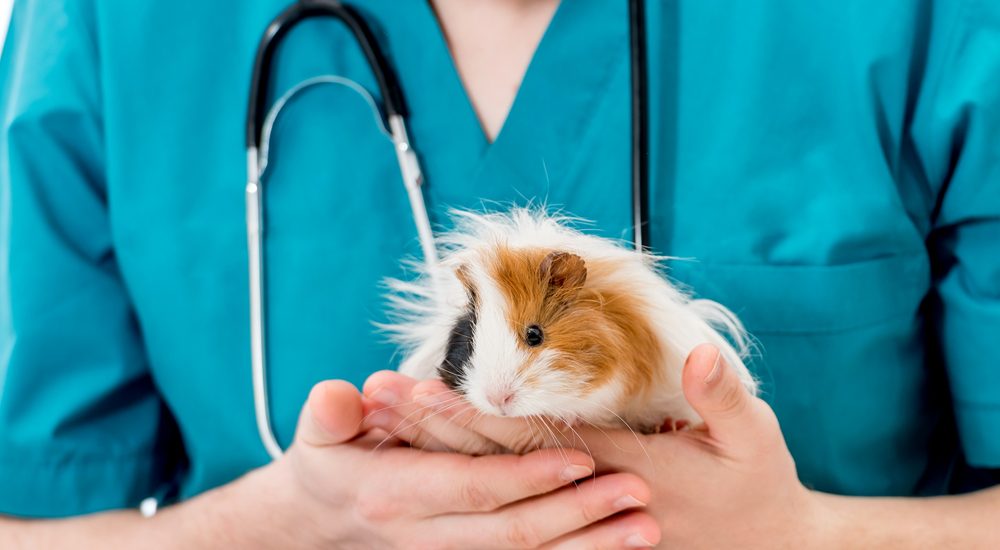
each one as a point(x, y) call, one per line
point(460, 344)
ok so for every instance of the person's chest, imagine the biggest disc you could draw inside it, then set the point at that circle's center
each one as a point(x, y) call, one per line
point(776, 171)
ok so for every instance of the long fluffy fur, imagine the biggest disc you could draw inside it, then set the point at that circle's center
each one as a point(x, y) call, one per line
point(423, 311)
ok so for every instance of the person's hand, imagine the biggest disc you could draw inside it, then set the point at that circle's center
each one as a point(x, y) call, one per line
point(730, 482)
point(347, 488)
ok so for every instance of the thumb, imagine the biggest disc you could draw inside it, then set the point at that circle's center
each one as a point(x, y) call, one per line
point(331, 415)
point(715, 391)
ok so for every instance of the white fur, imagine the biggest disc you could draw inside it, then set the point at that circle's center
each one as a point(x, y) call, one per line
point(424, 313)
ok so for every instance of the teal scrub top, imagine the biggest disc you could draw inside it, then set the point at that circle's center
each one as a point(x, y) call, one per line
point(829, 170)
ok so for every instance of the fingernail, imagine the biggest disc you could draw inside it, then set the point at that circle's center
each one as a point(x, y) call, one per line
point(433, 400)
point(716, 369)
point(574, 472)
point(635, 540)
point(386, 397)
point(628, 501)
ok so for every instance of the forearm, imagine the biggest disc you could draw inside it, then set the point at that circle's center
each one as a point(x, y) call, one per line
point(237, 515)
point(960, 521)
point(114, 529)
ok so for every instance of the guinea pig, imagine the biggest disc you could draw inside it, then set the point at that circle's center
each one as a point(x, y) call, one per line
point(526, 316)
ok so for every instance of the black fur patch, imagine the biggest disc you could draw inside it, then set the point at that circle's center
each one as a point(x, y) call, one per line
point(456, 358)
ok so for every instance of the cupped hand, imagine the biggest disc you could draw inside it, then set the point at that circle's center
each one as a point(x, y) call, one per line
point(347, 486)
point(729, 482)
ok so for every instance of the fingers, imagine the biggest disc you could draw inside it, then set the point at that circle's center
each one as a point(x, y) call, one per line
point(613, 449)
point(448, 483)
point(460, 425)
point(388, 387)
point(519, 435)
point(715, 391)
point(422, 427)
point(331, 415)
point(631, 530)
point(394, 426)
point(534, 522)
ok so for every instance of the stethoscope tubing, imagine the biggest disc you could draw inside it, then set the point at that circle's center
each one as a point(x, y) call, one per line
point(640, 123)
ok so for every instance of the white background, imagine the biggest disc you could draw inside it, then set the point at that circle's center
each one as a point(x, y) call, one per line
point(4, 17)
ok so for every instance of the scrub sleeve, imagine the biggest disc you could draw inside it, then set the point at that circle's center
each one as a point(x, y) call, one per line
point(956, 137)
point(81, 425)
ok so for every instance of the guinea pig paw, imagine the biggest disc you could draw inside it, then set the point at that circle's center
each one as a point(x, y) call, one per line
point(649, 429)
point(672, 425)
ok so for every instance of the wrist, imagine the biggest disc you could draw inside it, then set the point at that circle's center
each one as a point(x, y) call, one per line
point(826, 521)
point(254, 511)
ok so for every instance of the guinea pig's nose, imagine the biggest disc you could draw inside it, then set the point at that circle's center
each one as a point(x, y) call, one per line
point(501, 399)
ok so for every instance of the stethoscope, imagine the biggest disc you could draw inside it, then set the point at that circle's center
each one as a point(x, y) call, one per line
point(391, 119)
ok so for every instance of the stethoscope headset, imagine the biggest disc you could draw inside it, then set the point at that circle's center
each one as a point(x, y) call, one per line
point(392, 120)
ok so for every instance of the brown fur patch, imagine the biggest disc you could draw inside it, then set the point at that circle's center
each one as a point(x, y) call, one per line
point(596, 326)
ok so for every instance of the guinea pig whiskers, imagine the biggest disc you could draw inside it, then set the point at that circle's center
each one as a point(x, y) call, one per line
point(577, 435)
point(529, 421)
point(468, 421)
point(536, 420)
point(540, 437)
point(543, 441)
point(451, 403)
point(638, 440)
point(604, 433)
point(401, 428)
point(558, 445)
point(389, 408)
point(561, 436)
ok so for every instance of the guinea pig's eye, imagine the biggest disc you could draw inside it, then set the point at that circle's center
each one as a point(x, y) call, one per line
point(533, 336)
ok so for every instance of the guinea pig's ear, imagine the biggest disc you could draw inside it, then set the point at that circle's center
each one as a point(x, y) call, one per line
point(563, 271)
point(462, 272)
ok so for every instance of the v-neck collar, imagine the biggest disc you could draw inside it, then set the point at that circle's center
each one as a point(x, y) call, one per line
point(441, 43)
point(566, 81)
